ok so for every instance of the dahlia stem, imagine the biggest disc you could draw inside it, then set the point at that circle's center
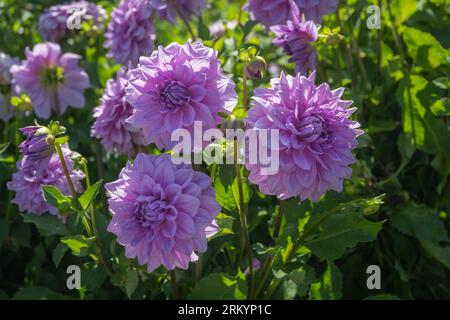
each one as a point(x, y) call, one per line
point(348, 54)
point(278, 220)
point(244, 83)
point(103, 260)
point(66, 171)
point(243, 219)
point(186, 22)
point(173, 281)
point(199, 266)
point(269, 259)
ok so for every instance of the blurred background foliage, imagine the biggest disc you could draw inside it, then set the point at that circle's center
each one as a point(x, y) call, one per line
point(393, 213)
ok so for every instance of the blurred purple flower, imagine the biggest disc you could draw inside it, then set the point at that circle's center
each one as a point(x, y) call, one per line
point(115, 134)
point(170, 9)
point(37, 148)
point(52, 80)
point(130, 32)
point(316, 137)
point(6, 63)
point(161, 212)
point(176, 86)
point(274, 12)
point(295, 38)
point(53, 22)
point(26, 183)
point(217, 28)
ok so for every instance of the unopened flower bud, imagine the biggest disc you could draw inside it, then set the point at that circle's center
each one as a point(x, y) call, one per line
point(255, 68)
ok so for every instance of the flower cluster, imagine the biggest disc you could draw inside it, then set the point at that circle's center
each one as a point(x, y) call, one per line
point(27, 182)
point(52, 80)
point(53, 22)
point(162, 213)
point(316, 137)
point(110, 124)
point(296, 37)
point(185, 8)
point(275, 12)
point(174, 87)
point(130, 32)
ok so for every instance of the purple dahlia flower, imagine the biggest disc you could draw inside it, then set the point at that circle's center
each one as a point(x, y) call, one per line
point(295, 38)
point(316, 137)
point(162, 213)
point(110, 126)
point(26, 183)
point(170, 9)
point(174, 87)
point(53, 22)
point(274, 12)
point(52, 80)
point(6, 85)
point(37, 148)
point(130, 32)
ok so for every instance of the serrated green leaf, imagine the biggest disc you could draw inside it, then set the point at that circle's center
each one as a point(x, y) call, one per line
point(424, 224)
point(340, 232)
point(424, 48)
point(47, 224)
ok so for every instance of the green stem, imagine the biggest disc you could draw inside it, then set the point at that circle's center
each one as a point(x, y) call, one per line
point(66, 171)
point(173, 282)
point(198, 269)
point(182, 16)
point(348, 55)
point(244, 83)
point(278, 220)
point(243, 219)
point(94, 230)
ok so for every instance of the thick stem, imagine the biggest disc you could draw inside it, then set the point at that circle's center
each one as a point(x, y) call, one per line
point(243, 218)
point(173, 282)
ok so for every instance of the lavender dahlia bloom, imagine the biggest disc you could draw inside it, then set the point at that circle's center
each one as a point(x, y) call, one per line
point(174, 87)
point(170, 9)
point(130, 32)
point(295, 38)
point(110, 124)
point(161, 212)
point(6, 85)
point(316, 137)
point(37, 148)
point(52, 80)
point(273, 12)
point(53, 23)
point(27, 183)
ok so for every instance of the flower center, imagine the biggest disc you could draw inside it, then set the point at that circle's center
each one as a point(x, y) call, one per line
point(52, 76)
point(311, 128)
point(174, 94)
point(151, 213)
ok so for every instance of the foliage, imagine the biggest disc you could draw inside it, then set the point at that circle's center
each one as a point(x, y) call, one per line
point(394, 212)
